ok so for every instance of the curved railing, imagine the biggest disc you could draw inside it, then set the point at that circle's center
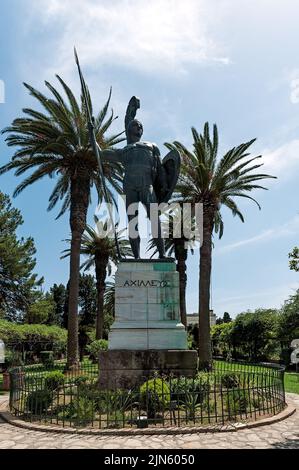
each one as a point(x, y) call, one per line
point(231, 392)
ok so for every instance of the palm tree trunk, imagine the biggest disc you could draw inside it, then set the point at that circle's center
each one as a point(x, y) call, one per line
point(205, 265)
point(100, 312)
point(181, 268)
point(80, 191)
point(101, 266)
point(72, 345)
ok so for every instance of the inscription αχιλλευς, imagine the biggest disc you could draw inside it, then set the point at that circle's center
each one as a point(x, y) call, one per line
point(141, 283)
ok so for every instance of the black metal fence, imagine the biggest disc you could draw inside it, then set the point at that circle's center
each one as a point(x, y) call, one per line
point(230, 393)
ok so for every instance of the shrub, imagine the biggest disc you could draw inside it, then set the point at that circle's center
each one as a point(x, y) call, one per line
point(199, 385)
point(190, 402)
point(230, 380)
point(54, 379)
point(81, 380)
point(80, 410)
point(87, 388)
point(39, 401)
point(205, 378)
point(116, 419)
point(95, 347)
point(118, 400)
point(190, 341)
point(237, 402)
point(154, 396)
point(47, 358)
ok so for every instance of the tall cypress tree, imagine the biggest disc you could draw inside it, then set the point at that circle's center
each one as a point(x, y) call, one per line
point(58, 292)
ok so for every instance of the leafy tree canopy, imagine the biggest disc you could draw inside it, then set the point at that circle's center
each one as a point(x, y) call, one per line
point(289, 319)
point(41, 311)
point(14, 333)
point(225, 319)
point(18, 283)
point(58, 292)
point(294, 259)
point(87, 301)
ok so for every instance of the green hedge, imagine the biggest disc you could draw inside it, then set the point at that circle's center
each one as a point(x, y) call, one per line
point(33, 334)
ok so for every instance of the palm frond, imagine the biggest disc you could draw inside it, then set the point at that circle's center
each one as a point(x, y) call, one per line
point(56, 140)
point(213, 182)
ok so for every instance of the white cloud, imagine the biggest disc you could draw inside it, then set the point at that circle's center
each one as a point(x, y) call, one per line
point(287, 77)
point(289, 228)
point(294, 86)
point(294, 96)
point(282, 161)
point(273, 297)
point(155, 36)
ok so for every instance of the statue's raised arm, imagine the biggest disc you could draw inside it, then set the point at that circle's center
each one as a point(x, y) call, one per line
point(115, 155)
point(132, 107)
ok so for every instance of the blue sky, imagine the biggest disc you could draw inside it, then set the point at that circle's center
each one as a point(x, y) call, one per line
point(233, 62)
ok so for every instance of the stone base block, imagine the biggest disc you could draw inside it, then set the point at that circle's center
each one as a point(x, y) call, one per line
point(126, 369)
point(151, 338)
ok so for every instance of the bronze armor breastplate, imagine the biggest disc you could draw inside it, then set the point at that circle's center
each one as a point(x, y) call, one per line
point(139, 163)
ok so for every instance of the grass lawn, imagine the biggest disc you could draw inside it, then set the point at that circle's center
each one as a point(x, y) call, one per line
point(291, 379)
point(291, 382)
point(1, 382)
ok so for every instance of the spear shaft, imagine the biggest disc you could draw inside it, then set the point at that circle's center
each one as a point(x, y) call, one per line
point(93, 142)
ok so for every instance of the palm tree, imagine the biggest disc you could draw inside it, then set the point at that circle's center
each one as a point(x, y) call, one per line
point(177, 244)
point(98, 244)
point(214, 183)
point(55, 142)
point(109, 298)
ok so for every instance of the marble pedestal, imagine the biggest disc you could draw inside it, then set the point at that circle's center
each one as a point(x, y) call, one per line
point(147, 333)
point(147, 307)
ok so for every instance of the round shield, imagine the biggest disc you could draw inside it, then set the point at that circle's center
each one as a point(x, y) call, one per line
point(171, 164)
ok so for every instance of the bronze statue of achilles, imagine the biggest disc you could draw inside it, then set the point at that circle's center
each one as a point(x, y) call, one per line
point(146, 178)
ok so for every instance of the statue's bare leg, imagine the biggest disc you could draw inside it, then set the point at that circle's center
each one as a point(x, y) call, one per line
point(148, 197)
point(132, 200)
